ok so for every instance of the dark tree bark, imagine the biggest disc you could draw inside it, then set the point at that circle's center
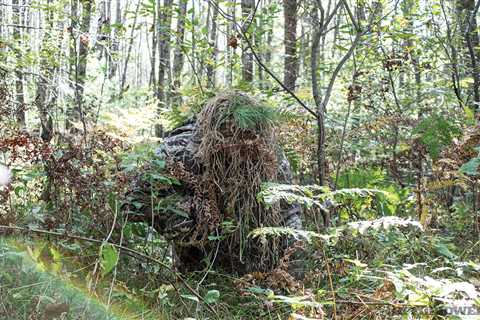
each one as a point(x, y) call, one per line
point(318, 101)
point(290, 43)
point(470, 52)
point(320, 111)
point(247, 56)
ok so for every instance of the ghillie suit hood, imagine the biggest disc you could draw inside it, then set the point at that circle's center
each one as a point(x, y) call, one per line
point(221, 159)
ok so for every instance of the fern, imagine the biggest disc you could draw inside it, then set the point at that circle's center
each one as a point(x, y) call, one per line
point(312, 195)
point(436, 133)
point(354, 228)
point(275, 232)
point(293, 157)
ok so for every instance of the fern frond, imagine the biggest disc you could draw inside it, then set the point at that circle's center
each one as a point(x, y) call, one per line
point(354, 228)
point(311, 195)
point(274, 232)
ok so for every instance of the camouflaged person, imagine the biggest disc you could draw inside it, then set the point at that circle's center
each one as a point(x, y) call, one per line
point(221, 158)
point(180, 145)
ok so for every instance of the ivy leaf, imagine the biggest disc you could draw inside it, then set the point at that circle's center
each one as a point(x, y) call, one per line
point(108, 258)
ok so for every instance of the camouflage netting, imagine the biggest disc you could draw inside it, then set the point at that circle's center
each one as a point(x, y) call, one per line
point(221, 159)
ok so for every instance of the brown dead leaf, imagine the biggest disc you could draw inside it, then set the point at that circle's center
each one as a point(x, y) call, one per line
point(55, 310)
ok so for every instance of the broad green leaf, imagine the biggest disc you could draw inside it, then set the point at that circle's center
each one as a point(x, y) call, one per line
point(108, 258)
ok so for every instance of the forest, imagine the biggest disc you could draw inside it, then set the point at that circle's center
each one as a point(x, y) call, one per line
point(239, 159)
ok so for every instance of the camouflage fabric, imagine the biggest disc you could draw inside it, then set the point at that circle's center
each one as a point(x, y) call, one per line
point(181, 144)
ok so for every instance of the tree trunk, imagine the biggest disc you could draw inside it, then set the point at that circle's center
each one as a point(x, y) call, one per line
point(153, 57)
point(80, 71)
point(408, 8)
point(318, 102)
point(164, 51)
point(269, 40)
point(230, 47)
point(115, 41)
point(290, 42)
point(20, 99)
point(304, 54)
point(213, 47)
point(247, 56)
point(44, 100)
point(259, 42)
point(87, 6)
point(466, 12)
point(129, 50)
point(178, 56)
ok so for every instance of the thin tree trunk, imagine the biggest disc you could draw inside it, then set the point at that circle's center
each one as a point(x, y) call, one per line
point(80, 60)
point(115, 41)
point(213, 46)
point(73, 54)
point(269, 41)
point(44, 96)
point(231, 47)
point(259, 42)
point(129, 50)
point(20, 99)
point(164, 51)
point(468, 28)
point(290, 43)
point(153, 57)
point(318, 101)
point(408, 11)
point(179, 56)
point(247, 56)
point(305, 42)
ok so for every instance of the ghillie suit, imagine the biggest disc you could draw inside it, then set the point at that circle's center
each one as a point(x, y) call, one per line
point(221, 159)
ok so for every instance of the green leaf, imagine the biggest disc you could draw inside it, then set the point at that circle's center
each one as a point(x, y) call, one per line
point(212, 296)
point(443, 250)
point(190, 297)
point(108, 258)
point(470, 168)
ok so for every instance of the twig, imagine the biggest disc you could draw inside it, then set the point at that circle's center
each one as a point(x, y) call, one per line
point(259, 61)
point(330, 282)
